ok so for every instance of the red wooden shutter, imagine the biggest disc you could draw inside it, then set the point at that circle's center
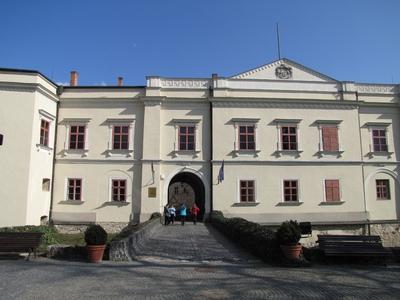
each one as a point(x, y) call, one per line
point(332, 190)
point(330, 138)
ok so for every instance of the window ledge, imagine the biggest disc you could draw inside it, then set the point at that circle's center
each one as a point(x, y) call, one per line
point(388, 199)
point(290, 203)
point(380, 153)
point(194, 153)
point(239, 204)
point(73, 202)
point(331, 203)
point(295, 153)
point(116, 203)
point(337, 153)
point(239, 152)
point(43, 147)
point(119, 152)
point(81, 152)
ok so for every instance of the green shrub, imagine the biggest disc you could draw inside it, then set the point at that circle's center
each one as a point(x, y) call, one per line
point(289, 233)
point(256, 238)
point(95, 235)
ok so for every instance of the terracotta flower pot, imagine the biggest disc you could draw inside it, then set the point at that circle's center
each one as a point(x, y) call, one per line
point(95, 253)
point(291, 251)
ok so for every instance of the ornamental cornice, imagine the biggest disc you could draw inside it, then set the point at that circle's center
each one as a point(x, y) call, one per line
point(263, 104)
point(185, 83)
point(377, 88)
point(10, 87)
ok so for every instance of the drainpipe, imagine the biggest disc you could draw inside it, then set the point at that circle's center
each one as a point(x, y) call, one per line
point(362, 163)
point(60, 90)
point(211, 95)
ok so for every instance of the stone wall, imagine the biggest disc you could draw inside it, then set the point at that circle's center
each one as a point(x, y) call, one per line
point(127, 249)
point(110, 227)
point(389, 232)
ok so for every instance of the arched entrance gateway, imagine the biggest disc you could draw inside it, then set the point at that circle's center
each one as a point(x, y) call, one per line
point(188, 188)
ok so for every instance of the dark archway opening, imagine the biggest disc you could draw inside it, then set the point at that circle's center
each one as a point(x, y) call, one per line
point(187, 188)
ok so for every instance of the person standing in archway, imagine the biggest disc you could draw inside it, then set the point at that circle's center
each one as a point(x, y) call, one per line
point(172, 213)
point(183, 213)
point(194, 212)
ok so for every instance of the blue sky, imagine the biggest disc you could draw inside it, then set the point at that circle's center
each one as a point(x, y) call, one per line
point(356, 40)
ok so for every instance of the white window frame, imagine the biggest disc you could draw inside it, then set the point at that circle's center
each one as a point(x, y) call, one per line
point(66, 190)
point(282, 123)
point(76, 122)
point(44, 115)
point(237, 122)
point(379, 126)
point(128, 187)
point(177, 123)
point(120, 152)
point(238, 191)
point(299, 199)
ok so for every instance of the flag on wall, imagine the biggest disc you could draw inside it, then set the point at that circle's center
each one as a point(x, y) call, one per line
point(221, 173)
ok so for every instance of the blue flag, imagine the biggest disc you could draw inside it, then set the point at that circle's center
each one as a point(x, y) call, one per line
point(221, 173)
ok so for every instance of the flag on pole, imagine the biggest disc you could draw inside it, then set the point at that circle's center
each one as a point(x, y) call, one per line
point(221, 173)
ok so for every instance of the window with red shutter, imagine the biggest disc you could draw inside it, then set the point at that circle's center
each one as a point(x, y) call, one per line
point(332, 190)
point(330, 139)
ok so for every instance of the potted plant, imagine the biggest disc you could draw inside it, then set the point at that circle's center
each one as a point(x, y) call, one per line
point(288, 237)
point(95, 238)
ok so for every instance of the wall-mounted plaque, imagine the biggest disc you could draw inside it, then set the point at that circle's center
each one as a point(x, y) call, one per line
point(152, 192)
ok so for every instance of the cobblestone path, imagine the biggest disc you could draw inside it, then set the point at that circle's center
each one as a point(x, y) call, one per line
point(195, 243)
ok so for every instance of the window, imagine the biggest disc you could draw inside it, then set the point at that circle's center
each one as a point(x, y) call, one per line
point(186, 137)
point(379, 140)
point(332, 192)
point(290, 191)
point(74, 189)
point(1, 139)
point(46, 184)
point(330, 140)
point(118, 190)
point(77, 137)
point(120, 137)
point(382, 189)
point(247, 138)
point(289, 137)
point(247, 191)
point(44, 133)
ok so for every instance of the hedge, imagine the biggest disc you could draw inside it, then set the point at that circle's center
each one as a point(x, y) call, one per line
point(256, 238)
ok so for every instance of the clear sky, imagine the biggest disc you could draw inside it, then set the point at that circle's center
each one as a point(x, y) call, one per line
point(355, 40)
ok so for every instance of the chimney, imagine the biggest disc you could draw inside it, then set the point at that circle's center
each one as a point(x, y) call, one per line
point(74, 78)
point(120, 81)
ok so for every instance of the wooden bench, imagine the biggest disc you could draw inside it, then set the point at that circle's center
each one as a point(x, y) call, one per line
point(352, 245)
point(20, 242)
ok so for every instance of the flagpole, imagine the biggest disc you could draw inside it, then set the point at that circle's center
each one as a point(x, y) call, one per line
point(277, 37)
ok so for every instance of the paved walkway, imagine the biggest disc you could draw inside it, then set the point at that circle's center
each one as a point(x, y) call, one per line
point(195, 243)
point(200, 266)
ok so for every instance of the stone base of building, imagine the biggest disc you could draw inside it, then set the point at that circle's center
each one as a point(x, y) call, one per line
point(387, 230)
point(110, 227)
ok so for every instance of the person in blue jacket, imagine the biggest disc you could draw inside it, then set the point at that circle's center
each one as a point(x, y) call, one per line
point(183, 213)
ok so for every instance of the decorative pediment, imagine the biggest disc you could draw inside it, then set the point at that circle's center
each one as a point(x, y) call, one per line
point(284, 69)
